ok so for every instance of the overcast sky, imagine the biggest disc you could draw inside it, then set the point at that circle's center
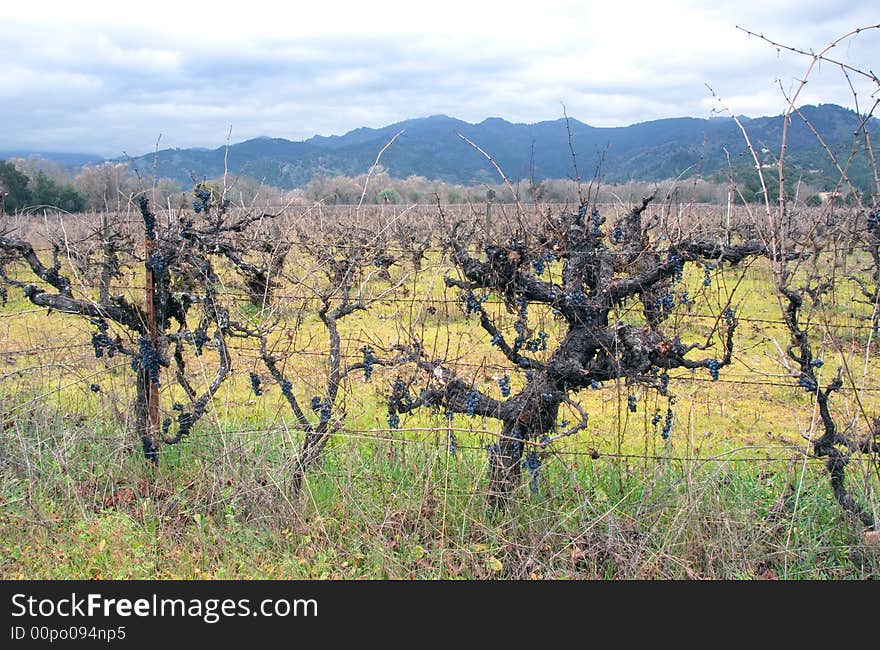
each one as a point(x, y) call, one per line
point(111, 77)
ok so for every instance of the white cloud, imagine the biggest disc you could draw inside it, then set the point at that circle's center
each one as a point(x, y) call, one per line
point(97, 77)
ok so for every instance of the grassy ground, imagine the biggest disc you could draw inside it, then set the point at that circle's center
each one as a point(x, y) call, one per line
point(78, 503)
point(731, 494)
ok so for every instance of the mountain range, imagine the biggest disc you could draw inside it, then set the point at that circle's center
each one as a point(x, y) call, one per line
point(431, 147)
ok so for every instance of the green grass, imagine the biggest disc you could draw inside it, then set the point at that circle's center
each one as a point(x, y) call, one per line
point(79, 502)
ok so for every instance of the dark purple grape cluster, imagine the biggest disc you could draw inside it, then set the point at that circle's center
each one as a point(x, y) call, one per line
point(321, 407)
point(451, 442)
point(685, 298)
point(519, 435)
point(202, 202)
point(538, 266)
point(667, 425)
point(807, 383)
point(398, 398)
point(369, 360)
point(655, 419)
point(631, 403)
point(200, 337)
point(617, 234)
point(185, 422)
point(177, 406)
point(148, 216)
point(874, 222)
point(817, 363)
point(150, 451)
point(594, 384)
point(95, 388)
point(147, 359)
point(576, 298)
point(101, 341)
point(255, 384)
point(597, 221)
point(472, 402)
point(713, 367)
point(532, 462)
point(729, 316)
point(539, 343)
point(4, 296)
point(496, 339)
point(707, 275)
point(665, 303)
point(472, 303)
point(676, 263)
point(521, 329)
point(286, 387)
point(664, 381)
point(504, 385)
point(156, 263)
point(383, 261)
point(400, 394)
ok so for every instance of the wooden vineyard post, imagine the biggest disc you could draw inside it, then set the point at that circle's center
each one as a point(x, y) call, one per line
point(152, 385)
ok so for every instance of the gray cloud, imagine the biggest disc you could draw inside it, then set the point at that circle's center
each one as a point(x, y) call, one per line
point(99, 84)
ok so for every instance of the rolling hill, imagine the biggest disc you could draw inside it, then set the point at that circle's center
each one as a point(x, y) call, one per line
point(430, 147)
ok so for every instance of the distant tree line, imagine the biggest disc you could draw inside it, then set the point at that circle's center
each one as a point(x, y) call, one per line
point(23, 191)
point(35, 182)
point(737, 185)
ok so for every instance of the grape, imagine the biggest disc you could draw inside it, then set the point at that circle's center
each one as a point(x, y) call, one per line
point(538, 266)
point(473, 402)
point(147, 359)
point(667, 426)
point(532, 461)
point(729, 316)
point(255, 384)
point(369, 360)
point(200, 337)
point(713, 367)
point(807, 383)
point(504, 385)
